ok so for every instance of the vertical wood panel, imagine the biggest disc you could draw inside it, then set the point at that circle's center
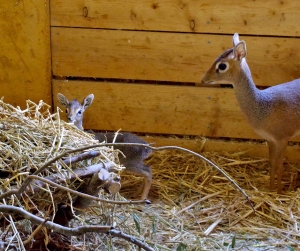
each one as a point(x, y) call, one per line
point(25, 71)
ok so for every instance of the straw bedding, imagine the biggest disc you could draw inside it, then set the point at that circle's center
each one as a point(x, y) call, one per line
point(194, 207)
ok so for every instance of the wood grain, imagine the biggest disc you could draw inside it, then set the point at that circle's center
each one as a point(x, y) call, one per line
point(242, 148)
point(276, 18)
point(165, 56)
point(159, 109)
point(25, 52)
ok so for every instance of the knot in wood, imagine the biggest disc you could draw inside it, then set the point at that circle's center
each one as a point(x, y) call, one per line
point(85, 11)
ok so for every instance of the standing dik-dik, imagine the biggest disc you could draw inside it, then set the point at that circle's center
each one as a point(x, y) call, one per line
point(134, 155)
point(274, 113)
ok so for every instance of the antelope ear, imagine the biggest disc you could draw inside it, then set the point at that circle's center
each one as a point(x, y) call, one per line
point(235, 39)
point(240, 51)
point(88, 101)
point(62, 100)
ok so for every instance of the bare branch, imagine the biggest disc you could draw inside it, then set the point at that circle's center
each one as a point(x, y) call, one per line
point(82, 156)
point(72, 231)
point(32, 177)
point(144, 145)
point(118, 233)
point(188, 151)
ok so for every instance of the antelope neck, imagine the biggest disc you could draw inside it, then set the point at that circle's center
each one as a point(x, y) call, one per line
point(248, 96)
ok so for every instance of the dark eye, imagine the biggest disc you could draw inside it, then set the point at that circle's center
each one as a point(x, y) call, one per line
point(79, 112)
point(222, 66)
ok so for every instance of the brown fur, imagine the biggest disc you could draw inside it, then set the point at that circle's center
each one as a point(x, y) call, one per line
point(274, 113)
point(135, 155)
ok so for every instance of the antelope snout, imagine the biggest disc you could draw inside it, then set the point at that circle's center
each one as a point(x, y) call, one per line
point(71, 120)
point(205, 81)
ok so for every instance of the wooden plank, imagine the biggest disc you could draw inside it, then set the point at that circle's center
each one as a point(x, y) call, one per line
point(246, 148)
point(25, 52)
point(247, 17)
point(159, 109)
point(162, 56)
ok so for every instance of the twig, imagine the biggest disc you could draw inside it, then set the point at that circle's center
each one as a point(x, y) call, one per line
point(80, 157)
point(72, 231)
point(142, 145)
point(209, 162)
point(118, 233)
point(188, 151)
point(32, 177)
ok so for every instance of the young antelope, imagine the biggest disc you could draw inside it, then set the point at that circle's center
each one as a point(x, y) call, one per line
point(134, 155)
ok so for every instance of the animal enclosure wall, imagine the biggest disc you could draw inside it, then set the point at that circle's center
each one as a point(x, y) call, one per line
point(143, 61)
point(25, 63)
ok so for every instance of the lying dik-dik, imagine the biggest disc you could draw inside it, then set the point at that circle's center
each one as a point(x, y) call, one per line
point(274, 113)
point(135, 155)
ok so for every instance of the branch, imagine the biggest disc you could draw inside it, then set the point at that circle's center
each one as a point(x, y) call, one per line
point(118, 233)
point(72, 231)
point(61, 177)
point(188, 151)
point(209, 162)
point(82, 156)
point(143, 145)
point(32, 177)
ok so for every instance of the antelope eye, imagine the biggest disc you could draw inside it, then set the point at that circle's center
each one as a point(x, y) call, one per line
point(79, 112)
point(222, 66)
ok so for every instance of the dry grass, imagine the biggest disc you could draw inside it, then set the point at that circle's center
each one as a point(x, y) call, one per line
point(203, 211)
point(193, 206)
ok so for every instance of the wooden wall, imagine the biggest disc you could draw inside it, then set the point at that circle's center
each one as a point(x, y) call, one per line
point(25, 63)
point(144, 60)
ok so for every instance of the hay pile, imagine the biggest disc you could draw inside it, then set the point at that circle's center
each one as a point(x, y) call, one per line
point(196, 208)
point(28, 139)
point(193, 207)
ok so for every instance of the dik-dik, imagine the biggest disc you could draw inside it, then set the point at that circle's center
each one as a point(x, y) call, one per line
point(274, 113)
point(135, 155)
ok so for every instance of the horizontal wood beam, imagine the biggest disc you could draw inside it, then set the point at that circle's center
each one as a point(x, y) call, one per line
point(161, 56)
point(243, 148)
point(276, 18)
point(159, 109)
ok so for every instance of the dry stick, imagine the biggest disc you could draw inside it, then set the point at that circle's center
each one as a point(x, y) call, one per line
point(26, 182)
point(92, 153)
point(32, 177)
point(73, 231)
point(80, 157)
point(78, 173)
point(209, 162)
point(42, 168)
point(191, 152)
point(198, 201)
point(118, 233)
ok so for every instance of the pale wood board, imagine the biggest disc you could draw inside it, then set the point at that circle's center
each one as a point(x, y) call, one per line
point(277, 18)
point(25, 52)
point(160, 109)
point(245, 148)
point(165, 56)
